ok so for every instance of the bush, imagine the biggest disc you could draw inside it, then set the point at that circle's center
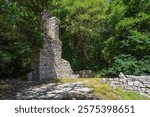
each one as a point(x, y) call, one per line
point(15, 59)
point(128, 65)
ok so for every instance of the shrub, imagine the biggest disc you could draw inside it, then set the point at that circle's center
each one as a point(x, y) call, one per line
point(128, 65)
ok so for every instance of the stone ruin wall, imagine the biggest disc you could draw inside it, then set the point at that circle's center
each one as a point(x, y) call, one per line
point(133, 83)
point(47, 62)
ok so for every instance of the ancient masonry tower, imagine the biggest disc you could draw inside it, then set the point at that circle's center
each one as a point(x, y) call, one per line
point(47, 62)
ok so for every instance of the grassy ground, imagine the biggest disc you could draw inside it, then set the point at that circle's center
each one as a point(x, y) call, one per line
point(105, 91)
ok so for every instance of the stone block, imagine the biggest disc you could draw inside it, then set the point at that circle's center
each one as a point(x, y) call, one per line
point(136, 83)
point(130, 83)
point(85, 74)
point(142, 86)
point(121, 75)
point(127, 87)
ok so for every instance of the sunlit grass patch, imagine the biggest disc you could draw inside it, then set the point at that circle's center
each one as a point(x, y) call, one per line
point(130, 95)
point(102, 90)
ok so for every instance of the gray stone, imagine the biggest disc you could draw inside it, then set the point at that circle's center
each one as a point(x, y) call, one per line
point(103, 79)
point(51, 95)
point(67, 89)
point(47, 62)
point(146, 85)
point(42, 97)
point(128, 87)
point(75, 76)
point(135, 88)
point(136, 83)
point(110, 79)
point(115, 83)
point(141, 85)
point(37, 89)
point(115, 79)
point(147, 91)
point(29, 76)
point(57, 91)
point(142, 89)
point(121, 75)
point(84, 90)
point(129, 82)
point(85, 74)
point(122, 80)
point(148, 79)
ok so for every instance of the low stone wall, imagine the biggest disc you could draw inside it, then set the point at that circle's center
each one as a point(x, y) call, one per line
point(132, 83)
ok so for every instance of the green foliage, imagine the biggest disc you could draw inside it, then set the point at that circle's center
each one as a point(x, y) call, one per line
point(14, 59)
point(18, 23)
point(80, 31)
point(20, 30)
point(107, 36)
point(127, 47)
point(129, 65)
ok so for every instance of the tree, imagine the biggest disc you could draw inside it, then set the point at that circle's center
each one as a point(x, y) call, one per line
point(21, 32)
point(102, 35)
point(81, 31)
point(129, 36)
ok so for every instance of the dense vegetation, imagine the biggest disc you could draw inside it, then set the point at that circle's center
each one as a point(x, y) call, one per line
point(107, 36)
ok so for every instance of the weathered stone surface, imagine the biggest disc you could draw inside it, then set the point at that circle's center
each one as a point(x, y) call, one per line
point(29, 76)
point(85, 74)
point(141, 85)
point(121, 75)
point(27, 90)
point(148, 83)
point(75, 76)
point(121, 80)
point(130, 82)
point(136, 83)
point(57, 92)
point(128, 87)
point(115, 82)
point(47, 62)
point(87, 90)
point(147, 91)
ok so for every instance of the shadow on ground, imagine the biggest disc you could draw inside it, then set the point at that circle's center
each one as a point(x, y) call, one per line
point(13, 89)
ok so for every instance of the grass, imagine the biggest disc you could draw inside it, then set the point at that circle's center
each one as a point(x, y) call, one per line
point(105, 91)
point(130, 95)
